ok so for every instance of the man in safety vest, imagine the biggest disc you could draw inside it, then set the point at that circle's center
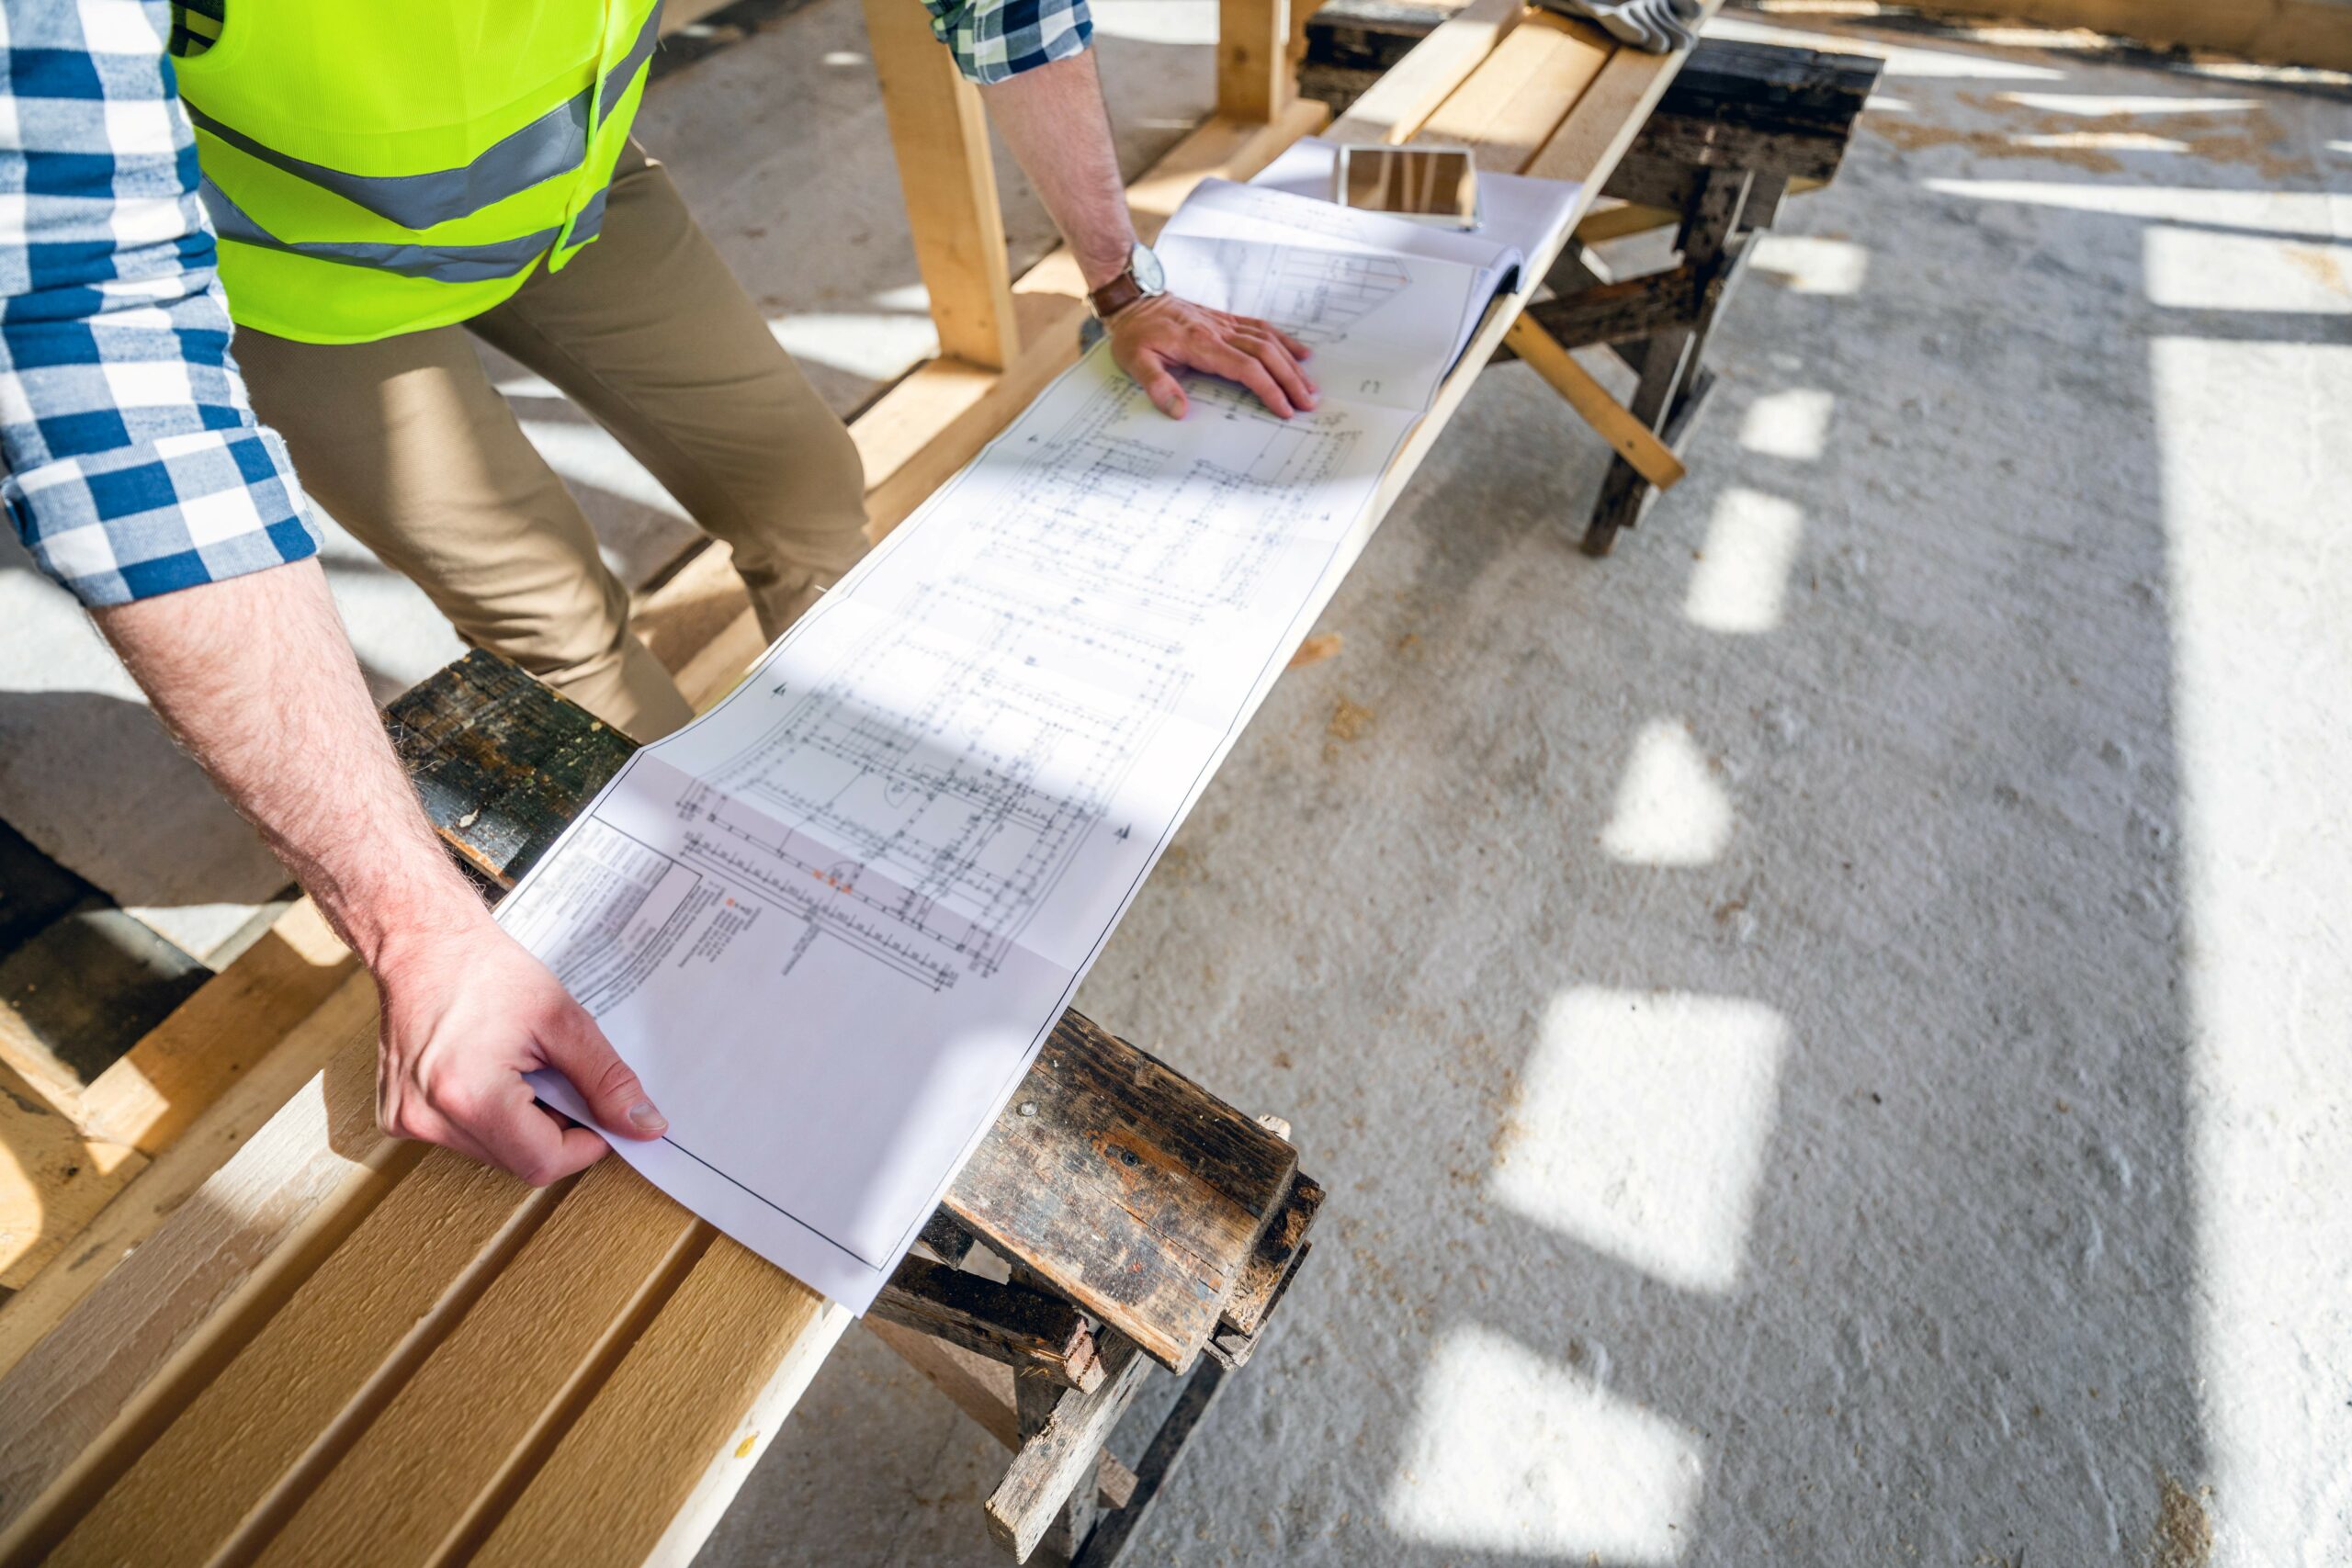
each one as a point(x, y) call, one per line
point(386, 179)
point(389, 181)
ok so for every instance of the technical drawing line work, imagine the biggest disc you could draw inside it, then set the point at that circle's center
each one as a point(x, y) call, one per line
point(831, 922)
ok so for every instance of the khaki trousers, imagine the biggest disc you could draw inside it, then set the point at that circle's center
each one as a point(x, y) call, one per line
point(408, 445)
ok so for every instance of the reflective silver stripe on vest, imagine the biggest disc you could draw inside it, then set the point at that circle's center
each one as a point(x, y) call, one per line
point(590, 221)
point(551, 145)
point(616, 83)
point(443, 264)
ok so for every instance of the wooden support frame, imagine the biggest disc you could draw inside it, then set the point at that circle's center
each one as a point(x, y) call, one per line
point(941, 141)
point(175, 1311)
point(1256, 73)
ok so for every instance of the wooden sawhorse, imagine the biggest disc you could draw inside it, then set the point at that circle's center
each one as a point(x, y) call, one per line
point(1741, 127)
point(1138, 1219)
point(343, 1348)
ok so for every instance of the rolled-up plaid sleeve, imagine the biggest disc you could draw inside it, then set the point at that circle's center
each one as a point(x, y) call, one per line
point(135, 465)
point(994, 41)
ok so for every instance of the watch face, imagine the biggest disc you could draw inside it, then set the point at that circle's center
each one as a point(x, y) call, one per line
point(1149, 277)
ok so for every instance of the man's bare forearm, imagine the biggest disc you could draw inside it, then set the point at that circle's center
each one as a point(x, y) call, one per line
point(255, 676)
point(1053, 120)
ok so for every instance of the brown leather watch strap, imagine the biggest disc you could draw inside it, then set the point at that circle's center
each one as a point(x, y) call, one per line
point(1116, 295)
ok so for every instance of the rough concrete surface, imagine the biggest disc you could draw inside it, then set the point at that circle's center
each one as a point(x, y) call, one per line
point(1827, 1032)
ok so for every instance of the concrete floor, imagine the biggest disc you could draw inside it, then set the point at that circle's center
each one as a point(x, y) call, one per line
point(1827, 1032)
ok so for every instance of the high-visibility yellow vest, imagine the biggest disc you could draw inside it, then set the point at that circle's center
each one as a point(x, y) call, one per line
point(375, 169)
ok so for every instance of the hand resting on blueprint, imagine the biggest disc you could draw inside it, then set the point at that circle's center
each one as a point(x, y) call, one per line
point(1152, 339)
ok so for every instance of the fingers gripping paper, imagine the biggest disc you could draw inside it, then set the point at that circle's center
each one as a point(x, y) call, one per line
point(831, 922)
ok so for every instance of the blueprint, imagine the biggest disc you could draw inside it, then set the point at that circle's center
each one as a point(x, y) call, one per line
point(830, 922)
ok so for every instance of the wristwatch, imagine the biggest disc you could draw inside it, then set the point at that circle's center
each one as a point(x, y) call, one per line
point(1141, 280)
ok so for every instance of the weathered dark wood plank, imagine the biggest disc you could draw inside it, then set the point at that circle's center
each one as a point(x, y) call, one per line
point(1127, 1187)
point(1030, 1331)
point(502, 763)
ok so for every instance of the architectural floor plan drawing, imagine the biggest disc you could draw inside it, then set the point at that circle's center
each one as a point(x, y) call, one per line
point(831, 922)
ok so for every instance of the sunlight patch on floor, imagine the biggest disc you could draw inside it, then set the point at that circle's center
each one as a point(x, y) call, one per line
point(1156, 21)
point(875, 345)
point(2198, 269)
point(1809, 263)
point(1512, 1452)
point(1792, 422)
point(1641, 1126)
point(1741, 577)
point(2291, 212)
point(2108, 104)
point(1670, 809)
point(2264, 745)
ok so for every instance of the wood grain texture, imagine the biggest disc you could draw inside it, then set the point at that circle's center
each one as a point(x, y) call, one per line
point(982, 1389)
point(1255, 77)
point(428, 1475)
point(941, 141)
point(1633, 440)
point(1609, 116)
point(1049, 1465)
point(1127, 1187)
point(651, 1462)
point(1040, 1335)
point(76, 1145)
point(188, 1061)
point(1401, 102)
point(1518, 95)
point(500, 804)
point(122, 1359)
point(54, 1176)
point(263, 1430)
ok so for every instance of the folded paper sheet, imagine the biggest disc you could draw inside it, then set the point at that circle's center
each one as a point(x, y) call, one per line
point(831, 922)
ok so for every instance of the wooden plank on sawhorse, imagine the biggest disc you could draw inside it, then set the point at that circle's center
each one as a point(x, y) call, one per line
point(436, 1359)
point(1148, 1233)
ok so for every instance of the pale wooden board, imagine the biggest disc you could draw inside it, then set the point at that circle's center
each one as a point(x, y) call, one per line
point(1607, 118)
point(1255, 78)
point(213, 1258)
point(941, 144)
point(646, 1471)
point(1396, 107)
point(265, 1427)
point(1633, 440)
point(187, 1061)
point(177, 1172)
point(1518, 95)
point(54, 1176)
point(431, 1471)
point(76, 1145)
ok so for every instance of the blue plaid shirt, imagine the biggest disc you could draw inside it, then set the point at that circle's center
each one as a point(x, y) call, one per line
point(994, 41)
point(134, 463)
